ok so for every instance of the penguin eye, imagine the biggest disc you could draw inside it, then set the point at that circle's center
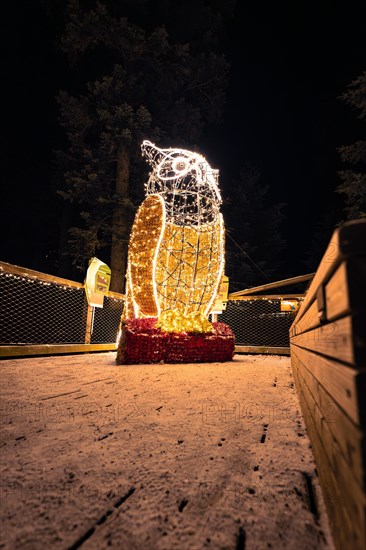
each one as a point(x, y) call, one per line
point(180, 164)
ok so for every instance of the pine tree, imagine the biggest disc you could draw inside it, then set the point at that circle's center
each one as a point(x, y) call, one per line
point(353, 185)
point(254, 242)
point(139, 84)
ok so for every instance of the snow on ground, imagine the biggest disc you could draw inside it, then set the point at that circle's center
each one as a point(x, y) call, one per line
point(196, 456)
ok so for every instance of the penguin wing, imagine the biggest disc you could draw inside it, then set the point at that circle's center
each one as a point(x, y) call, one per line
point(189, 266)
point(146, 235)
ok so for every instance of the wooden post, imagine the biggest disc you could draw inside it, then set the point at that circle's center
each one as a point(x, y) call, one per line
point(88, 328)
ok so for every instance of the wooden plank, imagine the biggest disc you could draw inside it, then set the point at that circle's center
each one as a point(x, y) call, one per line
point(343, 295)
point(49, 349)
point(310, 320)
point(346, 385)
point(352, 239)
point(263, 350)
point(333, 339)
point(275, 284)
point(353, 496)
point(337, 295)
point(39, 276)
point(31, 274)
point(343, 526)
point(344, 339)
point(53, 349)
point(327, 266)
point(346, 242)
point(347, 533)
point(345, 291)
point(349, 437)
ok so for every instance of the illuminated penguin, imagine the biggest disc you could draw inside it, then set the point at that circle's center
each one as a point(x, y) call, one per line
point(176, 248)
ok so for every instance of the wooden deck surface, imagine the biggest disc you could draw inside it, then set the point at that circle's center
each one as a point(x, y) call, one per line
point(207, 456)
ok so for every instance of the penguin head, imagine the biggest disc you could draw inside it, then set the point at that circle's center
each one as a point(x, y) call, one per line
point(187, 183)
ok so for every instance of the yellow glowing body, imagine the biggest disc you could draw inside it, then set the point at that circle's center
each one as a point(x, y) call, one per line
point(173, 268)
point(188, 267)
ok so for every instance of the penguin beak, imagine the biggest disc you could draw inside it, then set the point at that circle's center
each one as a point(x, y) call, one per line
point(153, 154)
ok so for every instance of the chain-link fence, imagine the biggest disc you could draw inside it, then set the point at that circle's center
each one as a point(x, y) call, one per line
point(106, 321)
point(258, 322)
point(51, 314)
point(39, 309)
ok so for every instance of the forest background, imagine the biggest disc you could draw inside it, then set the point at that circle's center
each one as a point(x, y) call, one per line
point(274, 97)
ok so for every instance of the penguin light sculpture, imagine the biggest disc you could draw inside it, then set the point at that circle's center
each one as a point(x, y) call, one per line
point(176, 249)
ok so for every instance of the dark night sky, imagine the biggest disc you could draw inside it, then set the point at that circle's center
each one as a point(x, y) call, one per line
point(290, 62)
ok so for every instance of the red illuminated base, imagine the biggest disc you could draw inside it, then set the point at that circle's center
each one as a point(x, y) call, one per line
point(141, 343)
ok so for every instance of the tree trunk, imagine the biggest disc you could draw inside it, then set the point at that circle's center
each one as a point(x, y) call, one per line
point(120, 223)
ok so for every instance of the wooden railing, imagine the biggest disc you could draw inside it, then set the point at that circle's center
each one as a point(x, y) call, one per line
point(269, 286)
point(31, 300)
point(328, 354)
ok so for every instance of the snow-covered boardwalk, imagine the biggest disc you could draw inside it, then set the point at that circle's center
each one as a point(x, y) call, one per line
point(156, 456)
